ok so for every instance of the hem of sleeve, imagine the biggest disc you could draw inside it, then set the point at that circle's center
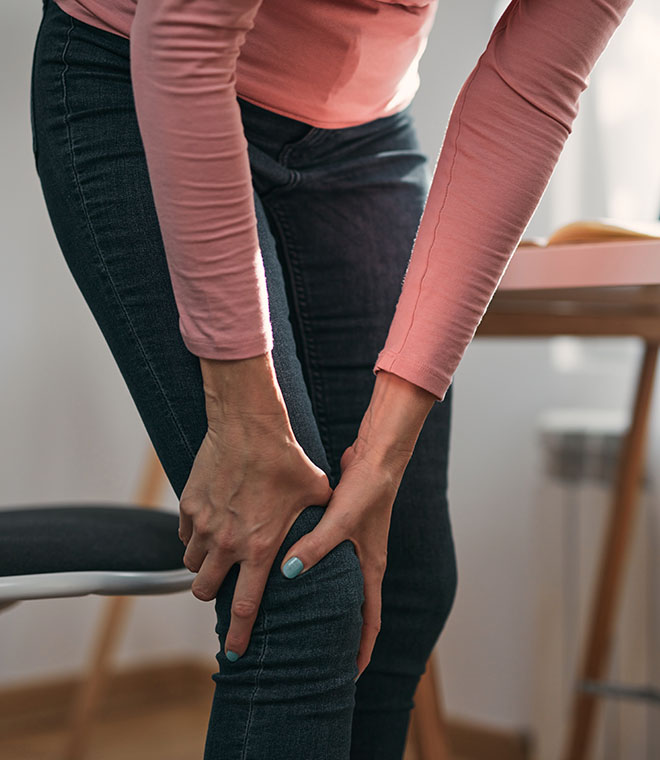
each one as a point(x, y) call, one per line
point(247, 349)
point(414, 372)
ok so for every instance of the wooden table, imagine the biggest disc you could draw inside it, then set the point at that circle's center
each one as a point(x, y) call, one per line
point(596, 289)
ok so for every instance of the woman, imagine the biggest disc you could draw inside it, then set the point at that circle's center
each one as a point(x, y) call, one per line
point(240, 226)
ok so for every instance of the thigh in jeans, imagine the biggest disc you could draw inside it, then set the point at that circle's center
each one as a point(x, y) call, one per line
point(346, 230)
point(293, 689)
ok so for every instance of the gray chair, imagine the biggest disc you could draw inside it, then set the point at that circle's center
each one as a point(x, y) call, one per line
point(76, 549)
point(116, 550)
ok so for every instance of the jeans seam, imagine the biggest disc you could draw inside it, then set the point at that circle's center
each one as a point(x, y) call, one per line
point(309, 355)
point(33, 123)
point(90, 227)
point(260, 669)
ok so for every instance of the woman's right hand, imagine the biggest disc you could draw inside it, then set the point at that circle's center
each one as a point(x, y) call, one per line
point(249, 482)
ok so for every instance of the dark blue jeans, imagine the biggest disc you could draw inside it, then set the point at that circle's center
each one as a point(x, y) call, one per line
point(337, 211)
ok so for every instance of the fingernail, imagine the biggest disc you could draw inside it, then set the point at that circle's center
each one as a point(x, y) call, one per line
point(292, 567)
point(232, 656)
point(355, 680)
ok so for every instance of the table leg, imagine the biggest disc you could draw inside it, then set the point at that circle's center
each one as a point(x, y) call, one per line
point(427, 730)
point(613, 560)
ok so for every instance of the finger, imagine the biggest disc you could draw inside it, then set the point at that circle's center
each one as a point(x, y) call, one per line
point(185, 527)
point(249, 589)
point(332, 529)
point(195, 553)
point(371, 610)
point(211, 574)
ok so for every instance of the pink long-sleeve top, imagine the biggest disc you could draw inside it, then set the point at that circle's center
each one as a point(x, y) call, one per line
point(336, 63)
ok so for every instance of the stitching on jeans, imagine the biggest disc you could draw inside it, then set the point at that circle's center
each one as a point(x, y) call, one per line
point(262, 657)
point(310, 357)
point(33, 122)
point(97, 248)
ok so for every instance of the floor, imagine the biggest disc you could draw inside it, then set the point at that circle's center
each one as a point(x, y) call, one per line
point(174, 732)
point(171, 726)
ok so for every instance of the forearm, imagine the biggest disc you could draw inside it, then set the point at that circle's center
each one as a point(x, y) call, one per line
point(388, 431)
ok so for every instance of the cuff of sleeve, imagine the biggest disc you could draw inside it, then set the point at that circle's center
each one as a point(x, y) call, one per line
point(246, 349)
point(414, 372)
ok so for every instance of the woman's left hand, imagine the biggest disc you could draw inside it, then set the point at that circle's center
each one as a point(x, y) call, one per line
point(359, 510)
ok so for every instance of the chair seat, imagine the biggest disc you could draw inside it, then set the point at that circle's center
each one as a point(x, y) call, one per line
point(71, 550)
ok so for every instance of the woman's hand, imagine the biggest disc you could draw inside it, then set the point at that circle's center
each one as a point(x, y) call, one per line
point(360, 510)
point(249, 482)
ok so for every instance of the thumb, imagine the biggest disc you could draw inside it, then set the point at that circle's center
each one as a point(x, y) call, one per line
point(313, 546)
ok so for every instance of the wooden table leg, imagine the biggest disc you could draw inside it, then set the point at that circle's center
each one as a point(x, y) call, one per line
point(613, 560)
point(427, 730)
point(108, 633)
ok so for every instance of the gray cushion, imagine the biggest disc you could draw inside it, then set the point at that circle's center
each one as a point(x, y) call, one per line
point(56, 539)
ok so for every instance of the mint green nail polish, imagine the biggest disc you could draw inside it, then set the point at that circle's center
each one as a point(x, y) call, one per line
point(292, 567)
point(232, 656)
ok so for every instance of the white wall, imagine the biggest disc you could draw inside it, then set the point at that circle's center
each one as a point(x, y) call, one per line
point(70, 430)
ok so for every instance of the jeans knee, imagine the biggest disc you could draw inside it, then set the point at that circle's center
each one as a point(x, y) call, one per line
point(308, 627)
point(323, 604)
point(443, 585)
point(427, 588)
point(449, 585)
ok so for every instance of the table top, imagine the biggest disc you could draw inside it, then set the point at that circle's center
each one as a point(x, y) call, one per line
point(588, 289)
point(587, 265)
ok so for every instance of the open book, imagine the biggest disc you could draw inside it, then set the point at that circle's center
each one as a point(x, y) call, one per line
point(596, 231)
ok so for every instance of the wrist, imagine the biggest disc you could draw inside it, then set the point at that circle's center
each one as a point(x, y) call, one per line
point(394, 418)
point(239, 387)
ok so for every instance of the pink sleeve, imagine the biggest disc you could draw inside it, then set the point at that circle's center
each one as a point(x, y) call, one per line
point(183, 60)
point(507, 129)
